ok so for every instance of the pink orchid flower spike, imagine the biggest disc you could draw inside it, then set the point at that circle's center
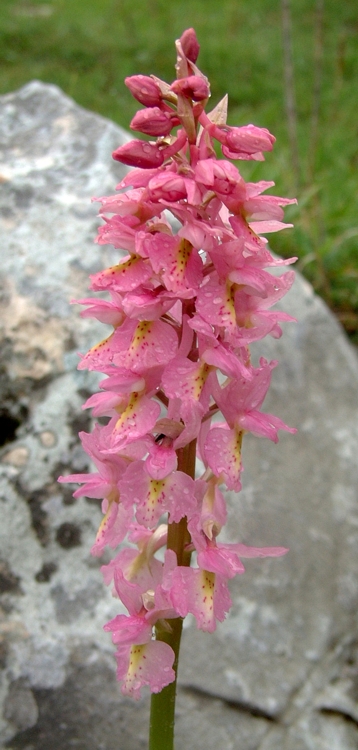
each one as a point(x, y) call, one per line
point(190, 291)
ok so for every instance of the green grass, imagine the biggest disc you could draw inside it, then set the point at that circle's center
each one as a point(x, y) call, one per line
point(87, 47)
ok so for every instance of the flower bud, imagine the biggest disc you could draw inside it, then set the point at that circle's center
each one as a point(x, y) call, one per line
point(249, 139)
point(193, 87)
point(152, 121)
point(144, 89)
point(139, 154)
point(190, 45)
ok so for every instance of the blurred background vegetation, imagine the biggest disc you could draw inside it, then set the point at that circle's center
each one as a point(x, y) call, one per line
point(288, 65)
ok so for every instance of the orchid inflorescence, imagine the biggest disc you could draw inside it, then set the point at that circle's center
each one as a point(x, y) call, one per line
point(185, 305)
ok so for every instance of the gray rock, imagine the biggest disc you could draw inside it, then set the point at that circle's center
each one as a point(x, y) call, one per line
point(282, 670)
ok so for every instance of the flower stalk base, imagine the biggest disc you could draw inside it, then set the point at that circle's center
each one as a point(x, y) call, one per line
point(162, 707)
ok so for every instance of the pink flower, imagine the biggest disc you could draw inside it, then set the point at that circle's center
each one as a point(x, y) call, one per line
point(134, 346)
point(177, 263)
point(225, 559)
point(135, 421)
point(246, 142)
point(222, 453)
point(184, 305)
point(109, 312)
point(162, 459)
point(203, 593)
point(213, 513)
point(173, 494)
point(110, 467)
point(150, 663)
point(139, 566)
point(142, 661)
point(124, 277)
point(238, 402)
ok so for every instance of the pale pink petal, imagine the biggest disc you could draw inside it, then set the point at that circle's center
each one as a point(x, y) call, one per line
point(104, 403)
point(147, 664)
point(123, 381)
point(252, 280)
point(247, 552)
point(136, 178)
point(127, 205)
point(94, 485)
point(264, 425)
point(98, 356)
point(125, 276)
point(181, 500)
point(256, 188)
point(146, 304)
point(135, 567)
point(118, 231)
point(264, 227)
point(137, 419)
point(162, 460)
point(213, 511)
point(220, 561)
point(134, 346)
point(113, 527)
point(110, 313)
point(202, 593)
point(229, 361)
point(185, 379)
point(144, 345)
point(130, 595)
point(174, 495)
point(191, 414)
point(148, 495)
point(127, 630)
point(266, 207)
point(222, 452)
point(216, 304)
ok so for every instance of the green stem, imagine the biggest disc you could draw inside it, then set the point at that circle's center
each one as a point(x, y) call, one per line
point(162, 707)
point(162, 712)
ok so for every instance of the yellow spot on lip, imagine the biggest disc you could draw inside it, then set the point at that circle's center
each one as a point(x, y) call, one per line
point(207, 586)
point(112, 498)
point(199, 380)
point(128, 413)
point(97, 348)
point(139, 336)
point(137, 654)
point(104, 524)
point(177, 271)
point(119, 268)
point(230, 304)
point(153, 497)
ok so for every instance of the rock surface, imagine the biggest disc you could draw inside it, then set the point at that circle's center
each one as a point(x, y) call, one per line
point(282, 670)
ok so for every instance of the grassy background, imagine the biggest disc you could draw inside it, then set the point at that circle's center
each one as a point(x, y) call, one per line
point(87, 47)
